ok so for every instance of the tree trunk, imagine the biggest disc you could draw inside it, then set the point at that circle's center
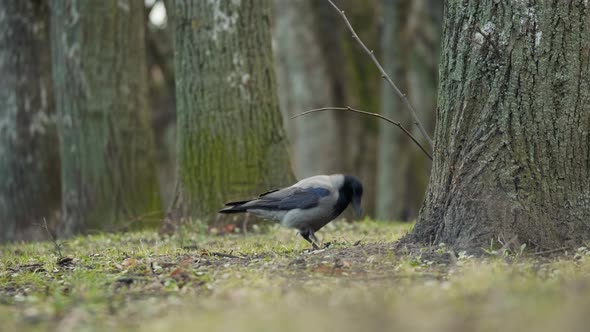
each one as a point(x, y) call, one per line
point(160, 62)
point(512, 156)
point(354, 82)
point(423, 33)
point(304, 84)
point(108, 172)
point(393, 154)
point(231, 140)
point(409, 42)
point(29, 158)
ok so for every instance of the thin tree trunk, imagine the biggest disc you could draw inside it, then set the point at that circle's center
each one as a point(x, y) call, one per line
point(410, 39)
point(231, 140)
point(160, 62)
point(355, 81)
point(393, 154)
point(108, 172)
point(423, 33)
point(304, 83)
point(512, 156)
point(29, 158)
point(170, 19)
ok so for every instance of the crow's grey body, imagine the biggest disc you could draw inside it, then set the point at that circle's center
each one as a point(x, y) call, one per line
point(307, 205)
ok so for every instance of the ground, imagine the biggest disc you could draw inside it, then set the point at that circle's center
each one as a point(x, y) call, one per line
point(272, 281)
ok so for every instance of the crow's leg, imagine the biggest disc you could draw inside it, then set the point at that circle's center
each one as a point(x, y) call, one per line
point(316, 243)
point(305, 234)
point(309, 236)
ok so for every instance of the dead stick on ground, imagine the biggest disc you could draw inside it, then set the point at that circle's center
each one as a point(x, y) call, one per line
point(350, 109)
point(385, 76)
point(551, 251)
point(56, 244)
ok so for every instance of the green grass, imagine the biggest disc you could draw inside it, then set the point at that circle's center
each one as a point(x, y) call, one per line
point(194, 281)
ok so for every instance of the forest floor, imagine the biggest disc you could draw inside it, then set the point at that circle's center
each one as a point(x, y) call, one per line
point(272, 281)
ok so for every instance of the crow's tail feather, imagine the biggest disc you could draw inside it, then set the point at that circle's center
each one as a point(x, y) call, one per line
point(234, 207)
point(238, 202)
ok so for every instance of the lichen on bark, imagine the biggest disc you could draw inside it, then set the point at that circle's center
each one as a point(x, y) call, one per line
point(108, 171)
point(512, 155)
point(29, 157)
point(231, 143)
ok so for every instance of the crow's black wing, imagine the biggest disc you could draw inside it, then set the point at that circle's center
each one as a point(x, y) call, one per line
point(289, 198)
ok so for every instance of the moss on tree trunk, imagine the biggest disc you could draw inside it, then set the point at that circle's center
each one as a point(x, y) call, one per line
point(108, 171)
point(512, 156)
point(29, 156)
point(231, 143)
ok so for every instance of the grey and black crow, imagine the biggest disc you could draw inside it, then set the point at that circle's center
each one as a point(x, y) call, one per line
point(308, 205)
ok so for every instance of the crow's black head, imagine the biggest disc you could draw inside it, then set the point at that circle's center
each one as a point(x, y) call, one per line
point(353, 190)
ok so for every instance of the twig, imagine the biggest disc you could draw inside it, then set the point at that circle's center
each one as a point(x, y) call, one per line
point(385, 76)
point(56, 244)
point(507, 245)
point(245, 224)
point(551, 251)
point(175, 199)
point(220, 254)
point(350, 109)
point(477, 28)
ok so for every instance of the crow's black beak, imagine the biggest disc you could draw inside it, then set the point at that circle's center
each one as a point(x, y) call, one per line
point(356, 204)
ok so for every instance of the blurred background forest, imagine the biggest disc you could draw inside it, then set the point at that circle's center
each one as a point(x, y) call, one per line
point(316, 62)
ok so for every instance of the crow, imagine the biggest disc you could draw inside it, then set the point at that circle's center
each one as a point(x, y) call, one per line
point(308, 205)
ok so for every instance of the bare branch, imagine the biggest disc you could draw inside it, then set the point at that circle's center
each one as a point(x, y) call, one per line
point(385, 76)
point(350, 109)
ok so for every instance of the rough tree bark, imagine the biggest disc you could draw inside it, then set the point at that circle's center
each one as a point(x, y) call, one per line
point(512, 156)
point(99, 67)
point(231, 140)
point(29, 156)
point(304, 83)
